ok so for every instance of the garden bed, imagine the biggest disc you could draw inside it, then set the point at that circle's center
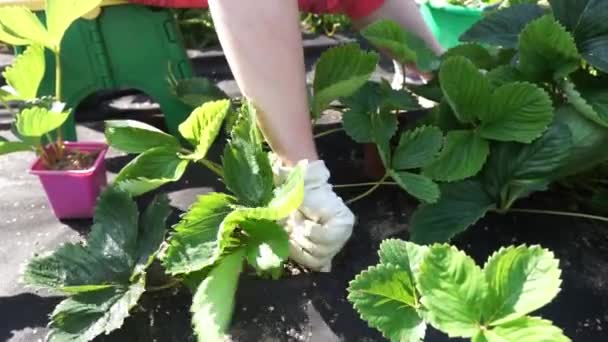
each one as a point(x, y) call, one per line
point(501, 134)
point(304, 307)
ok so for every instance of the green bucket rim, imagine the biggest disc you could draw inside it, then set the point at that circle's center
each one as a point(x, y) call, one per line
point(461, 10)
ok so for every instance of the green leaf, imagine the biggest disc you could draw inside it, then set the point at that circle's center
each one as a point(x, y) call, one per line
point(203, 125)
point(463, 155)
point(416, 185)
point(137, 137)
point(518, 112)
point(504, 74)
point(595, 111)
point(569, 12)
point(26, 72)
point(384, 150)
point(150, 170)
point(152, 232)
point(60, 14)
point(369, 117)
point(503, 27)
point(514, 170)
point(70, 269)
point(466, 89)
point(397, 99)
point(86, 315)
point(589, 142)
point(7, 147)
point(213, 301)
point(389, 35)
point(476, 53)
point(460, 206)
point(431, 90)
point(33, 123)
point(525, 329)
point(417, 148)
point(248, 174)
point(10, 38)
point(287, 198)
point(547, 50)
point(385, 297)
point(196, 91)
point(340, 72)
point(115, 231)
point(20, 24)
point(405, 254)
point(247, 169)
point(106, 275)
point(404, 46)
point(522, 280)
point(194, 244)
point(109, 255)
point(453, 290)
point(586, 20)
point(268, 244)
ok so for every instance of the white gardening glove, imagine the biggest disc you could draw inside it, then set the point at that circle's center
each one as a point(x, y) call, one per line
point(323, 223)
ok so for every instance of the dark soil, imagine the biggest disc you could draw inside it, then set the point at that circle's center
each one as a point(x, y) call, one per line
point(74, 160)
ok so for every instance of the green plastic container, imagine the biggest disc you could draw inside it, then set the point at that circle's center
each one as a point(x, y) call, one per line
point(124, 46)
point(448, 22)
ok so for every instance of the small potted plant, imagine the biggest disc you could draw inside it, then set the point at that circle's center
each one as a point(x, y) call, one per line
point(72, 173)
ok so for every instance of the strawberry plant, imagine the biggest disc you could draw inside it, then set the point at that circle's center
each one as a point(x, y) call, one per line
point(105, 278)
point(161, 158)
point(40, 117)
point(208, 247)
point(414, 286)
point(514, 115)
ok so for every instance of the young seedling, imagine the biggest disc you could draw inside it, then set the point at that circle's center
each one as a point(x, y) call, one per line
point(40, 118)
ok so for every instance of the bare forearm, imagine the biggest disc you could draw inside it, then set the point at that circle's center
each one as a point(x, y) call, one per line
point(263, 44)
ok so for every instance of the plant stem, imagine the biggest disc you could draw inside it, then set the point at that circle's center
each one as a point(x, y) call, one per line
point(359, 185)
point(58, 95)
point(58, 75)
point(368, 192)
point(215, 168)
point(557, 213)
point(173, 283)
point(43, 156)
point(328, 132)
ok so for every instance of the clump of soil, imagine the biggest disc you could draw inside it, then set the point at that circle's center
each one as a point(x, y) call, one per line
point(75, 161)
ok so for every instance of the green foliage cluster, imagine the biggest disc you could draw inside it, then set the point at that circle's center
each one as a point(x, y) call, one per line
point(521, 104)
point(207, 248)
point(511, 119)
point(105, 278)
point(414, 286)
point(39, 117)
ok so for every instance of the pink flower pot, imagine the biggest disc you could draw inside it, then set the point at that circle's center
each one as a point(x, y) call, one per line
point(73, 193)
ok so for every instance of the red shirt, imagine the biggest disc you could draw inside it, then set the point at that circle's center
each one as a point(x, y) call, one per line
point(353, 8)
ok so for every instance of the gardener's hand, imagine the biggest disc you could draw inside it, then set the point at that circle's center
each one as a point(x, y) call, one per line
point(322, 225)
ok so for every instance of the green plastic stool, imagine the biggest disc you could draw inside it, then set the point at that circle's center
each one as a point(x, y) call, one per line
point(125, 46)
point(449, 22)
